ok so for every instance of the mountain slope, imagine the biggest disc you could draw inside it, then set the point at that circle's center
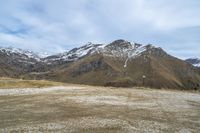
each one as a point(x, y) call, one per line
point(122, 63)
point(15, 62)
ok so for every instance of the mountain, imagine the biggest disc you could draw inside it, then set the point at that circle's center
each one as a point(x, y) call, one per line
point(15, 62)
point(122, 63)
point(118, 48)
point(194, 61)
point(119, 63)
point(73, 54)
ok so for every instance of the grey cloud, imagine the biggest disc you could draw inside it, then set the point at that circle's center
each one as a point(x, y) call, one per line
point(63, 24)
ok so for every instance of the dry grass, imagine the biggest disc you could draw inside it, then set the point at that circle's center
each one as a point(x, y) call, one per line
point(17, 83)
point(88, 109)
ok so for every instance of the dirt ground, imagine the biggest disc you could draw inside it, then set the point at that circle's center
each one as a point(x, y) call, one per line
point(88, 109)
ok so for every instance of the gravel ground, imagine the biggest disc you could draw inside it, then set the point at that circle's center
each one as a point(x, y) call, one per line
point(76, 108)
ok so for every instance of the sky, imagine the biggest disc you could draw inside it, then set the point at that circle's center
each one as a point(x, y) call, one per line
point(55, 26)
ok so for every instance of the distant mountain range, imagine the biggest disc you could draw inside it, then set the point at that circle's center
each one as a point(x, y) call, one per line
point(120, 63)
point(194, 61)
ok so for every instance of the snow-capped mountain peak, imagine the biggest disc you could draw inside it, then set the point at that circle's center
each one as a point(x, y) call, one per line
point(118, 48)
point(10, 51)
point(122, 48)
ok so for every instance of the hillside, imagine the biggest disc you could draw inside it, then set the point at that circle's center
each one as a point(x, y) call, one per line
point(15, 62)
point(120, 63)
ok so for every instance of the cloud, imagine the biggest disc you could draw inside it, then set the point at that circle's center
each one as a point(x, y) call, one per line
point(54, 26)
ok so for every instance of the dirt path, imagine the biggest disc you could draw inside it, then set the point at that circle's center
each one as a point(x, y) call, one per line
point(88, 109)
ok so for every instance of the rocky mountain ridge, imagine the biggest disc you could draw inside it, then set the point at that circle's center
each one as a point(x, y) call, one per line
point(119, 63)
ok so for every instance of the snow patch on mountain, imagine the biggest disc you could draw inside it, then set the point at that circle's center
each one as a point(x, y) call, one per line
point(134, 52)
point(26, 54)
point(194, 61)
point(197, 65)
point(118, 48)
point(75, 53)
point(43, 54)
